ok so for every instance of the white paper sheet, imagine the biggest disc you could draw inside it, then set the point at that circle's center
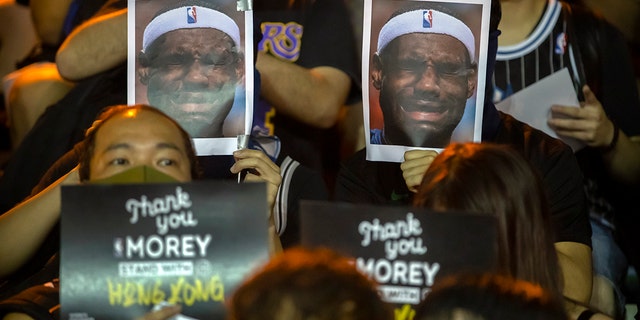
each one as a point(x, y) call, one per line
point(476, 14)
point(532, 105)
point(239, 119)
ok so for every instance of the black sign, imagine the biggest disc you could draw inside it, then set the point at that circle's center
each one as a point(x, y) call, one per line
point(128, 248)
point(405, 250)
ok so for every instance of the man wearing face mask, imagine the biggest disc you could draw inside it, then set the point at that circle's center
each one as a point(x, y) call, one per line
point(124, 138)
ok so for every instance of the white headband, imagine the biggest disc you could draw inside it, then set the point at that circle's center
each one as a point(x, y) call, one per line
point(426, 21)
point(189, 17)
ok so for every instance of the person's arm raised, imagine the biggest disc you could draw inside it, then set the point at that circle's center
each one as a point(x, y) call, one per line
point(95, 46)
point(313, 96)
point(261, 169)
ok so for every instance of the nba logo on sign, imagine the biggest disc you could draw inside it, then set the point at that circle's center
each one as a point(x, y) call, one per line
point(118, 247)
point(427, 19)
point(192, 17)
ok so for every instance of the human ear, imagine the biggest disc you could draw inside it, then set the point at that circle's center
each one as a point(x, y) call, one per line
point(376, 71)
point(143, 74)
point(472, 82)
point(143, 70)
point(240, 67)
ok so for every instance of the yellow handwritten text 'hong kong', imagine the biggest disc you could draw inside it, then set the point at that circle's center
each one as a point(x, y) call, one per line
point(405, 312)
point(128, 293)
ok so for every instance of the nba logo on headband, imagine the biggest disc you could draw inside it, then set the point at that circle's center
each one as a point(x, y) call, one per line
point(192, 17)
point(427, 19)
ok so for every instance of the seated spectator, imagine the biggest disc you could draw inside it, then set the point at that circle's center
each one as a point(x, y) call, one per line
point(392, 183)
point(489, 297)
point(88, 50)
point(308, 63)
point(595, 55)
point(63, 124)
point(304, 283)
point(37, 84)
point(143, 136)
point(494, 179)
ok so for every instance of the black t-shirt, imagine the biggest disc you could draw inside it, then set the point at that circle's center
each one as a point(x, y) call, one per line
point(299, 182)
point(327, 40)
point(363, 181)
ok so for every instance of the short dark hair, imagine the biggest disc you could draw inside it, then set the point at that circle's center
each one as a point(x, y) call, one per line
point(88, 143)
point(312, 283)
point(490, 296)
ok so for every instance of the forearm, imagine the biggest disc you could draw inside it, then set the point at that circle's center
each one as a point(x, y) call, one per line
point(575, 265)
point(623, 160)
point(24, 228)
point(312, 96)
point(95, 46)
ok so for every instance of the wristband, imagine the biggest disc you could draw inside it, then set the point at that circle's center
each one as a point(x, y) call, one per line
point(614, 141)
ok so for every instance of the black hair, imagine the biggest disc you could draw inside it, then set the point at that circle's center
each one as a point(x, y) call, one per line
point(490, 296)
point(88, 143)
point(308, 283)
